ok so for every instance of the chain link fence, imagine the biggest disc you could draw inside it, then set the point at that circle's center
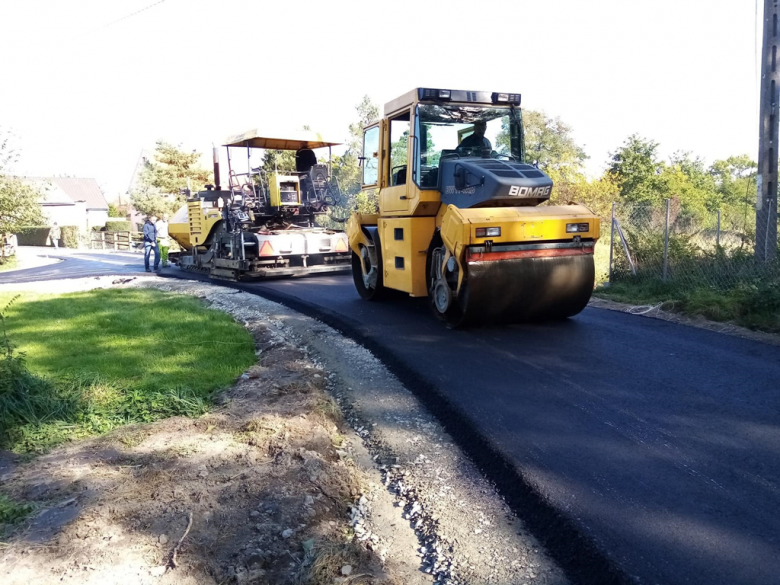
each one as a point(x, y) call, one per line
point(670, 244)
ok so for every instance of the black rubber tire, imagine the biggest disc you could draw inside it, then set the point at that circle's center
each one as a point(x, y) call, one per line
point(453, 317)
point(369, 294)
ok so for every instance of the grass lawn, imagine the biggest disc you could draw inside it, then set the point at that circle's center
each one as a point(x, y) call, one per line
point(103, 358)
point(753, 306)
point(8, 263)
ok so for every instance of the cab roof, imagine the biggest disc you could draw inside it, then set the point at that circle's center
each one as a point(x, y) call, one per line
point(290, 140)
point(427, 94)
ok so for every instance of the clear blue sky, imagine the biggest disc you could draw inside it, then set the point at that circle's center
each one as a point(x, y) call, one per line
point(85, 95)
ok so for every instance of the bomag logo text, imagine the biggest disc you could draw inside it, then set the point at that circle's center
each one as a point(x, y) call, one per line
point(516, 191)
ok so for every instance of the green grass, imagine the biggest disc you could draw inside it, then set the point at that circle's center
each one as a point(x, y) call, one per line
point(11, 512)
point(756, 306)
point(92, 361)
point(8, 263)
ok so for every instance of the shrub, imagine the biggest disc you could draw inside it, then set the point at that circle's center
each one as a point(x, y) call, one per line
point(70, 236)
point(37, 236)
point(118, 226)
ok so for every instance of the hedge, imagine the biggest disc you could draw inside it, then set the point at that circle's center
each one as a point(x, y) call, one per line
point(120, 225)
point(37, 236)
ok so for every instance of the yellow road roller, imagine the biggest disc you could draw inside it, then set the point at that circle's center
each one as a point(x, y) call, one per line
point(463, 219)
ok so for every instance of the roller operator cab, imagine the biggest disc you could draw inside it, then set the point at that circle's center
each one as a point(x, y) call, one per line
point(263, 224)
point(463, 219)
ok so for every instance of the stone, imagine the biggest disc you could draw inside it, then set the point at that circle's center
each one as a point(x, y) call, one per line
point(163, 539)
point(346, 570)
point(287, 533)
point(254, 513)
point(308, 501)
point(254, 560)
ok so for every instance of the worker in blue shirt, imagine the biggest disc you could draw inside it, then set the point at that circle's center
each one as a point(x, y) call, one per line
point(150, 243)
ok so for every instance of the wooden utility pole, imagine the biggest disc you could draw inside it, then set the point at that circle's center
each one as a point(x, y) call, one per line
point(766, 200)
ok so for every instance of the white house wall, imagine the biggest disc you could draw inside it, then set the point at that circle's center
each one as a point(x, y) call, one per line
point(73, 214)
point(96, 218)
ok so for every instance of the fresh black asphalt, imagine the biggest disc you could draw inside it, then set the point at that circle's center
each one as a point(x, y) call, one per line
point(635, 449)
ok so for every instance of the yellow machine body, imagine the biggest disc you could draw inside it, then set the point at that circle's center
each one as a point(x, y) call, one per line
point(284, 189)
point(193, 223)
point(534, 247)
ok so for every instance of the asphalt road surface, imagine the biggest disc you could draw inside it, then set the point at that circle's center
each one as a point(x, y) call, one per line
point(658, 444)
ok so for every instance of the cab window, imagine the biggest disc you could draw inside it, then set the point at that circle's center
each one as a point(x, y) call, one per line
point(399, 142)
point(371, 156)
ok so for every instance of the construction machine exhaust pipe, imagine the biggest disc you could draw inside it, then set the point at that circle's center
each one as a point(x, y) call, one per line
point(217, 185)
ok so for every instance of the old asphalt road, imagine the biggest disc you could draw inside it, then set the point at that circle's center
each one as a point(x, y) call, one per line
point(624, 442)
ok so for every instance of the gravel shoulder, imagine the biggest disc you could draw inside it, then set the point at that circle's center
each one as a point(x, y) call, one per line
point(317, 466)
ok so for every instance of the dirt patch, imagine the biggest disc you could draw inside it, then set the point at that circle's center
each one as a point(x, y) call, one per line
point(464, 532)
point(263, 487)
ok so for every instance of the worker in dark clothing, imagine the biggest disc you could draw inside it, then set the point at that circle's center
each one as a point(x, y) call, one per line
point(150, 244)
point(477, 139)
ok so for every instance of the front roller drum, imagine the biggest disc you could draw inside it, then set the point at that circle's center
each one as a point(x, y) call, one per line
point(518, 290)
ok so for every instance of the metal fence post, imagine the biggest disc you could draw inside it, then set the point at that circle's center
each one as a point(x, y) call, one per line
point(717, 235)
point(666, 243)
point(611, 241)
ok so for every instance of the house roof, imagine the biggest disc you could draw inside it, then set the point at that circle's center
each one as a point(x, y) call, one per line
point(70, 189)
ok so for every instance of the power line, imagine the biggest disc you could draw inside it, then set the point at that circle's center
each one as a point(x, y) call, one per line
point(113, 22)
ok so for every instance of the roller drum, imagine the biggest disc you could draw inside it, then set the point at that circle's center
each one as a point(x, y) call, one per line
point(525, 289)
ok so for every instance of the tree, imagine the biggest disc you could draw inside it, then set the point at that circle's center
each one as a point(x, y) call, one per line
point(636, 169)
point(734, 178)
point(278, 160)
point(597, 195)
point(164, 175)
point(735, 182)
point(549, 143)
point(114, 211)
point(348, 174)
point(19, 201)
point(149, 201)
point(368, 112)
point(687, 179)
point(19, 205)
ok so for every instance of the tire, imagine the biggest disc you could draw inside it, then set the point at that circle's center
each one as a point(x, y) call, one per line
point(367, 293)
point(454, 316)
